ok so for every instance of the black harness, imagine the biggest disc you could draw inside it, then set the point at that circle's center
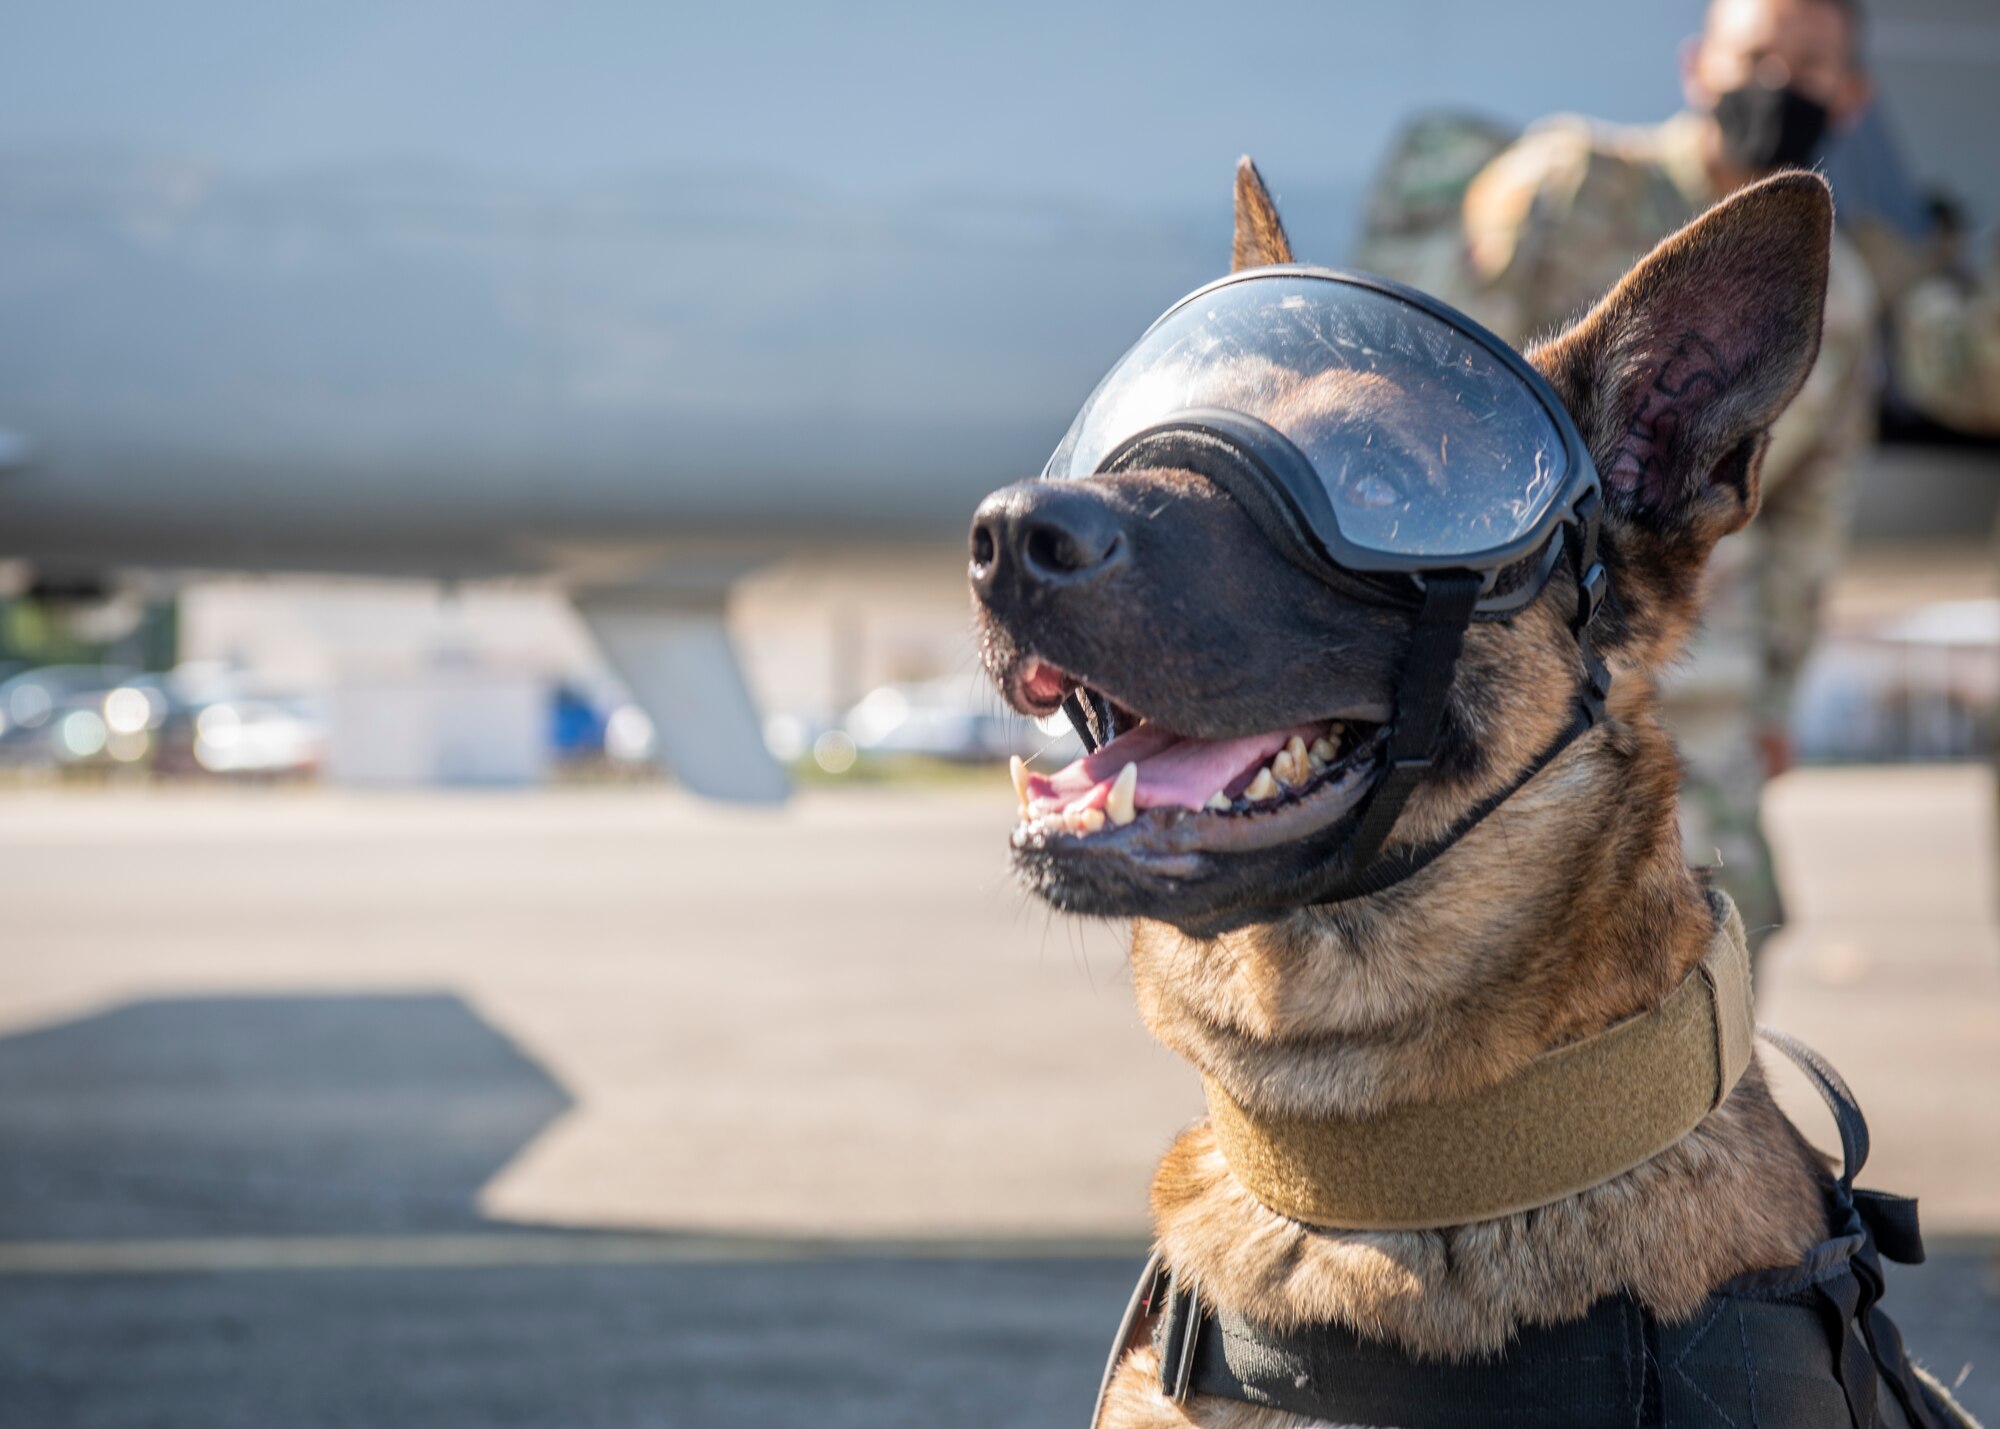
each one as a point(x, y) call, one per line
point(1806, 1347)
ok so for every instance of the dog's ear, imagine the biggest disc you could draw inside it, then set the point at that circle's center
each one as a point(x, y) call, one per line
point(1260, 237)
point(1675, 378)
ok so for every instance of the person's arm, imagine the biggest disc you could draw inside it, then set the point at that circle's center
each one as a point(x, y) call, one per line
point(1804, 526)
point(1808, 483)
point(1519, 218)
point(1946, 345)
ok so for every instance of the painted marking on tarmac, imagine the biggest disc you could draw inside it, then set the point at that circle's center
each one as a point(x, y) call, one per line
point(210, 1255)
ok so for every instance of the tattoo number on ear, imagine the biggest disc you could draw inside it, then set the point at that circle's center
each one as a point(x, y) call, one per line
point(1694, 371)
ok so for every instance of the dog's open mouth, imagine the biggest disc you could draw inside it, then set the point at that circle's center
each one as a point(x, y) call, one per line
point(1154, 791)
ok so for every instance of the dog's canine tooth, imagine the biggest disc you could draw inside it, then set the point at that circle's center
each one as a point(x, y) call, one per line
point(1291, 766)
point(1219, 803)
point(1089, 821)
point(1119, 803)
point(1323, 753)
point(1263, 788)
point(1018, 767)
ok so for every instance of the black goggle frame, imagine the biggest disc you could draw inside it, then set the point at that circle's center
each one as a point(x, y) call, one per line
point(1278, 486)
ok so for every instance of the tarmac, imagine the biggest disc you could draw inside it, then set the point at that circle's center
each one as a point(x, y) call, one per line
point(603, 1107)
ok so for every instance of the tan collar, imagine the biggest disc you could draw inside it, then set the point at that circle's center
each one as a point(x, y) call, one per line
point(1573, 1118)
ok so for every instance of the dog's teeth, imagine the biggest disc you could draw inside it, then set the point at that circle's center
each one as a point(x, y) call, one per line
point(1119, 803)
point(1018, 767)
point(1219, 803)
point(1322, 753)
point(1290, 765)
point(1089, 821)
point(1263, 788)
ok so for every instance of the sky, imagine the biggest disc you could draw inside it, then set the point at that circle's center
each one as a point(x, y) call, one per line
point(1130, 104)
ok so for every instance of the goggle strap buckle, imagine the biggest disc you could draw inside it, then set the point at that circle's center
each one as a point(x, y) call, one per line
point(1593, 585)
point(1589, 507)
point(1090, 718)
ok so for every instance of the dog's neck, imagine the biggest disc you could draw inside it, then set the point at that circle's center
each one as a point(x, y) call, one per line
point(1532, 933)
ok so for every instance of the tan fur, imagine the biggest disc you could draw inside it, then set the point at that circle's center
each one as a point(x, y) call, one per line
point(1567, 909)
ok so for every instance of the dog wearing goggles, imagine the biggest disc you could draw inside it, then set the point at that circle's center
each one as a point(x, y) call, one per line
point(1243, 680)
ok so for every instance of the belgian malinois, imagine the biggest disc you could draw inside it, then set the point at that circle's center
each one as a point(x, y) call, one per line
point(1568, 909)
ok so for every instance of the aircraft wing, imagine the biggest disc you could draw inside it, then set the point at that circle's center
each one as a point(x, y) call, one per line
point(674, 653)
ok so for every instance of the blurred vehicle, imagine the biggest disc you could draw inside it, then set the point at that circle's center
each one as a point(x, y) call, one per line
point(576, 722)
point(40, 709)
point(956, 717)
point(243, 737)
point(193, 720)
point(596, 723)
point(115, 726)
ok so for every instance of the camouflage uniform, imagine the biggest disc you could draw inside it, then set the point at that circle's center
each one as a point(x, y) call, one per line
point(1945, 334)
point(1545, 226)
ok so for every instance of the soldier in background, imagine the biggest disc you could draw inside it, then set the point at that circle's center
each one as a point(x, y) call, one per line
point(1524, 235)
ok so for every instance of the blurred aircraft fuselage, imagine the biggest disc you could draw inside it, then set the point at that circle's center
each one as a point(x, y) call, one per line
point(638, 390)
point(430, 374)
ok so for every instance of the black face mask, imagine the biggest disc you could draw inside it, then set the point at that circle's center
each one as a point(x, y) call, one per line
point(1765, 128)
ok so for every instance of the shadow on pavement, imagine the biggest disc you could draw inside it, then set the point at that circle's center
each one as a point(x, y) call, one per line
point(261, 1116)
point(347, 1120)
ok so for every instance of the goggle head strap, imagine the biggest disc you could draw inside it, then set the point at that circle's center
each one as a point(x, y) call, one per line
point(1090, 716)
point(1374, 871)
point(1436, 642)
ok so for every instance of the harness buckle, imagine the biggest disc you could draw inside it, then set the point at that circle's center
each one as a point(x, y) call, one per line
point(1590, 595)
point(1178, 1334)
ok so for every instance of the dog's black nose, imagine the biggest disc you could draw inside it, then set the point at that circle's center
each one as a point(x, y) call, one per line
point(1044, 534)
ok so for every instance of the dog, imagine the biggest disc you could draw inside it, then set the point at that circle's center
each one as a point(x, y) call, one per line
point(1567, 910)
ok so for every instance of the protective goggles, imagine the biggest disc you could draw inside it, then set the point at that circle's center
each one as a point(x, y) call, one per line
point(1369, 429)
point(1390, 446)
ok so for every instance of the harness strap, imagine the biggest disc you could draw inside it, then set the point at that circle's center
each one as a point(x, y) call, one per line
point(1869, 1225)
point(1136, 1327)
point(1372, 870)
point(1599, 1370)
point(1387, 870)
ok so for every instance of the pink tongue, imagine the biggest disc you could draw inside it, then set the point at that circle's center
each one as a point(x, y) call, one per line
point(1173, 771)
